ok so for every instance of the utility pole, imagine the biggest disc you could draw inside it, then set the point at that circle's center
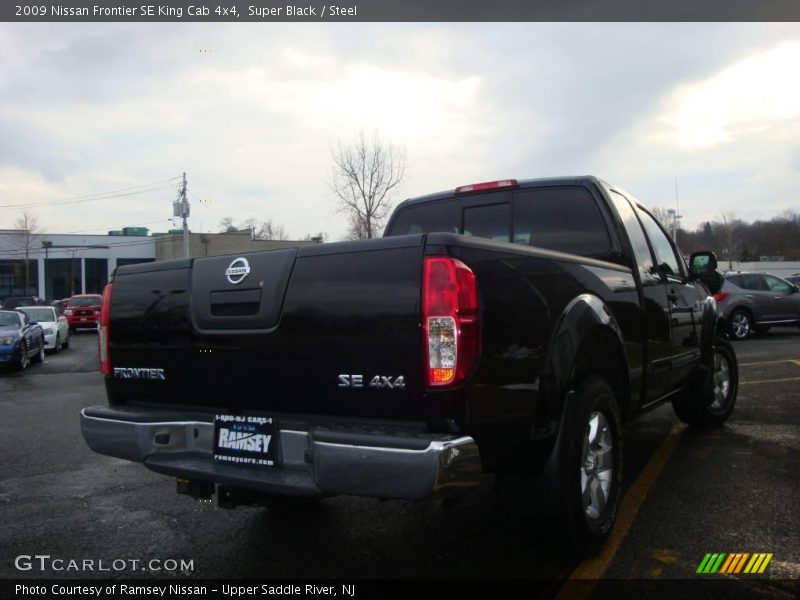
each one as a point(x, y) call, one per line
point(180, 208)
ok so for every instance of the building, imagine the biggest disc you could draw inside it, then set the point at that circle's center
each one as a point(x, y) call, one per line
point(55, 266)
point(169, 246)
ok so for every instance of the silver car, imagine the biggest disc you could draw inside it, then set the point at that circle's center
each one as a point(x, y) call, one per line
point(754, 302)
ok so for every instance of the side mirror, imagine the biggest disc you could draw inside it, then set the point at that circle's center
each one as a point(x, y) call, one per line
point(703, 266)
point(701, 263)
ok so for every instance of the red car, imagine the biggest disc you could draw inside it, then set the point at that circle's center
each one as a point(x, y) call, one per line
point(83, 311)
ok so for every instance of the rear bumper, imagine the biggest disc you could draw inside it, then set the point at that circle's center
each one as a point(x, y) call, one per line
point(314, 461)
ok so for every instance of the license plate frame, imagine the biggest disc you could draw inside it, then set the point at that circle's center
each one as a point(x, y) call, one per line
point(246, 440)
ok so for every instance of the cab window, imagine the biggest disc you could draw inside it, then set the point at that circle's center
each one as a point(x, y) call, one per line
point(641, 251)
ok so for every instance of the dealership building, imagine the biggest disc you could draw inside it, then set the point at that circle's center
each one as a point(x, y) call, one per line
point(54, 266)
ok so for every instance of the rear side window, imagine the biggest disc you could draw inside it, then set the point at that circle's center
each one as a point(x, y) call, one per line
point(736, 280)
point(754, 282)
point(563, 219)
point(439, 216)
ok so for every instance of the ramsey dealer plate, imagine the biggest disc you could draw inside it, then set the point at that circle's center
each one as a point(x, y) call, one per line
point(245, 440)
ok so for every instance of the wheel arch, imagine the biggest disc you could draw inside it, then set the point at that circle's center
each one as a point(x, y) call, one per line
point(588, 340)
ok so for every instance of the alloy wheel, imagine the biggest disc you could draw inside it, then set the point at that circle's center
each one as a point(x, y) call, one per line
point(740, 326)
point(597, 466)
point(722, 383)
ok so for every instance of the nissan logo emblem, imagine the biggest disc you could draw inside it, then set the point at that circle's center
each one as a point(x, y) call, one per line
point(237, 270)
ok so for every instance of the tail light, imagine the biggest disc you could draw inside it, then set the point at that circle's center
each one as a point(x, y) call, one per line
point(103, 337)
point(449, 321)
point(720, 296)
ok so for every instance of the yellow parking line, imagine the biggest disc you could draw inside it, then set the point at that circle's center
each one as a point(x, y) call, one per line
point(770, 380)
point(593, 568)
point(772, 362)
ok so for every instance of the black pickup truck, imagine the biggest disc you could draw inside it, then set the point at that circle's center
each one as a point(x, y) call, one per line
point(508, 327)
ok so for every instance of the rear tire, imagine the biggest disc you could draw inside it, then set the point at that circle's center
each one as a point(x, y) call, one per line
point(39, 357)
point(592, 465)
point(65, 345)
point(711, 403)
point(739, 325)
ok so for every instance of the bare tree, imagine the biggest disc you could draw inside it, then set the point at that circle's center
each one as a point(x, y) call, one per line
point(260, 230)
point(356, 229)
point(319, 238)
point(271, 231)
point(27, 238)
point(365, 176)
point(226, 225)
point(252, 225)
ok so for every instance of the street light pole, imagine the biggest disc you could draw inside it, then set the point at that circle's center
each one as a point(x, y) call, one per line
point(46, 244)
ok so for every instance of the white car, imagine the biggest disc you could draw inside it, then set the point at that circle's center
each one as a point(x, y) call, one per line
point(56, 327)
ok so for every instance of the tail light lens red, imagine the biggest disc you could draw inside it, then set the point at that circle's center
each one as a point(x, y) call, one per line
point(103, 338)
point(449, 321)
point(720, 296)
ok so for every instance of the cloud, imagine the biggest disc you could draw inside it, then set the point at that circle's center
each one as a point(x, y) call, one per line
point(252, 118)
point(753, 96)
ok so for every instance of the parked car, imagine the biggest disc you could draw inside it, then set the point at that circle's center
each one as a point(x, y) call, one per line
point(21, 340)
point(754, 302)
point(60, 305)
point(55, 326)
point(17, 301)
point(793, 279)
point(83, 311)
point(510, 327)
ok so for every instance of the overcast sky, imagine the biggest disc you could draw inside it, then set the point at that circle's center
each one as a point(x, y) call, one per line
point(250, 112)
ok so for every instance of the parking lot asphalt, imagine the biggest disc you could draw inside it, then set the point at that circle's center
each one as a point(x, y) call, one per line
point(734, 489)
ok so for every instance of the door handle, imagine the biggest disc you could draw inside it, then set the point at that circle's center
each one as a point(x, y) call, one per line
point(748, 295)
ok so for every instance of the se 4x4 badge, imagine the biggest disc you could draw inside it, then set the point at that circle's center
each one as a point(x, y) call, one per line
point(387, 382)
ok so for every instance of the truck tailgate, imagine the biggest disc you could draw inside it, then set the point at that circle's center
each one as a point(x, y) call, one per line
point(325, 330)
